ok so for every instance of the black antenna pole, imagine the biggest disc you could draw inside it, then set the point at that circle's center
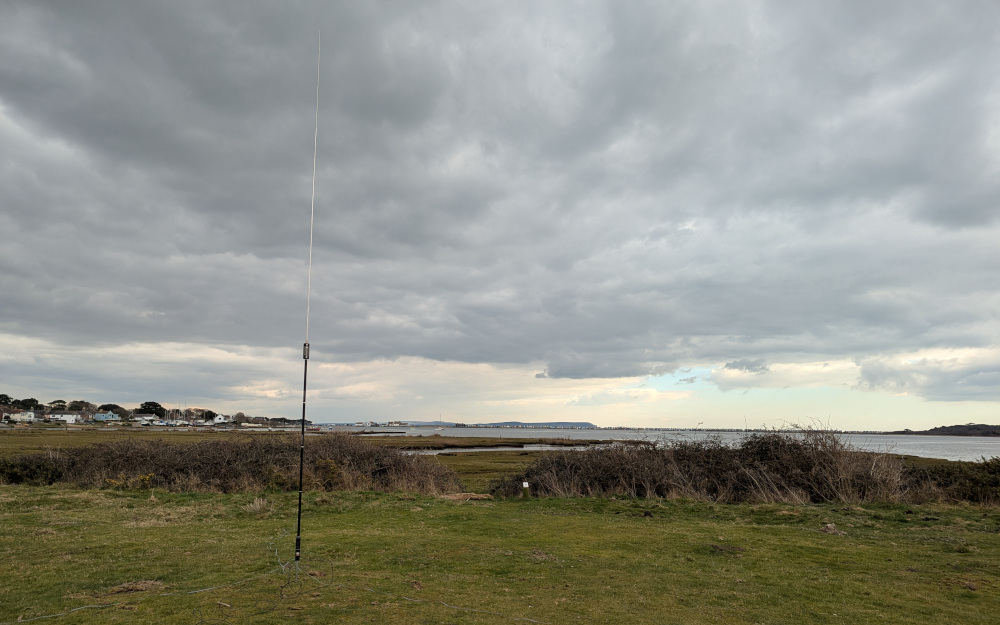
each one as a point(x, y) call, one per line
point(305, 346)
point(302, 449)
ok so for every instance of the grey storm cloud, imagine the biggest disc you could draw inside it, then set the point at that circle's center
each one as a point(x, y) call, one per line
point(934, 379)
point(607, 188)
point(750, 366)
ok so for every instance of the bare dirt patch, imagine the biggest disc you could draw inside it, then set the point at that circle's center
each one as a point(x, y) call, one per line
point(144, 585)
point(465, 496)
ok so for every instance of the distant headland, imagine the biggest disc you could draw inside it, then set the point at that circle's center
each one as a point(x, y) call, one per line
point(969, 429)
point(577, 425)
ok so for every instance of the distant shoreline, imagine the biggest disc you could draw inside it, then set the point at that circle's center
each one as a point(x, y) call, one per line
point(981, 430)
point(966, 431)
point(969, 429)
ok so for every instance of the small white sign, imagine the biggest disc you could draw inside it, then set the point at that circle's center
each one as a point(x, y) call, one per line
point(525, 484)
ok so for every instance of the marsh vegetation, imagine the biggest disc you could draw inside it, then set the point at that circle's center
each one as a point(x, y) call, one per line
point(808, 467)
point(778, 530)
point(813, 466)
point(232, 464)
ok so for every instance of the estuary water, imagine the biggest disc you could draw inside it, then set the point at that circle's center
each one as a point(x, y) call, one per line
point(946, 447)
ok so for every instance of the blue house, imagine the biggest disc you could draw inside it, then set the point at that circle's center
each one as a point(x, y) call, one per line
point(106, 416)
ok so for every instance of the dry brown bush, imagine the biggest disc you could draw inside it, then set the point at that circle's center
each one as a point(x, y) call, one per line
point(811, 466)
point(240, 464)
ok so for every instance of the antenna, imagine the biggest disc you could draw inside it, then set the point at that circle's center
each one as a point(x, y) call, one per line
point(305, 346)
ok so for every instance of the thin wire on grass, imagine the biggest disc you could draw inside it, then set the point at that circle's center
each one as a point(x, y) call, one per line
point(36, 618)
point(262, 606)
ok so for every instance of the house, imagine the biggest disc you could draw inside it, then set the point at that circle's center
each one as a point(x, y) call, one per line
point(66, 416)
point(106, 416)
point(222, 419)
point(24, 416)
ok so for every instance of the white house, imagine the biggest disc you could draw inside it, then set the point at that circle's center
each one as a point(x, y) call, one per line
point(25, 416)
point(65, 417)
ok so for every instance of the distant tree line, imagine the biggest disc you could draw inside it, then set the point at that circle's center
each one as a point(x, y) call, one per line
point(80, 405)
point(29, 403)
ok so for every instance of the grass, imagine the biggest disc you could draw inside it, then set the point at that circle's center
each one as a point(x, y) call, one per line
point(399, 558)
point(436, 441)
point(480, 469)
point(35, 439)
point(38, 438)
point(209, 557)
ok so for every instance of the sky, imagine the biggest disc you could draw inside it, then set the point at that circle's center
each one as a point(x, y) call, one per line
point(650, 214)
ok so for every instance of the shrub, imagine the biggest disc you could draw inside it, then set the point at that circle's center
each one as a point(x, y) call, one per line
point(978, 482)
point(812, 466)
point(31, 469)
point(332, 462)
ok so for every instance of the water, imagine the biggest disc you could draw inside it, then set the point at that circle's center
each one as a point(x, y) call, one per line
point(946, 447)
point(528, 447)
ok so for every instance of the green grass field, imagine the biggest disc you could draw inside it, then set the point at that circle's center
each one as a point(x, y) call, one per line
point(477, 470)
point(106, 556)
point(34, 439)
point(397, 558)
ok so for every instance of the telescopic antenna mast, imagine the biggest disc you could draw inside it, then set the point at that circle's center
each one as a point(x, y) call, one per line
point(305, 346)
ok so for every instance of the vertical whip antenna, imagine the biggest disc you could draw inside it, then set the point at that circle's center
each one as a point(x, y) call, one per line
point(305, 346)
point(312, 200)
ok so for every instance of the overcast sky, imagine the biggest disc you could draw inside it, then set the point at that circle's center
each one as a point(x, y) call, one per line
point(650, 214)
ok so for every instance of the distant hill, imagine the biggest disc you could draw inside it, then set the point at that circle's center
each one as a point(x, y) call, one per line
point(970, 429)
point(509, 424)
point(547, 424)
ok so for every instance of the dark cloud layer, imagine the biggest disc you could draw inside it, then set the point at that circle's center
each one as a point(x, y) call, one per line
point(612, 189)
